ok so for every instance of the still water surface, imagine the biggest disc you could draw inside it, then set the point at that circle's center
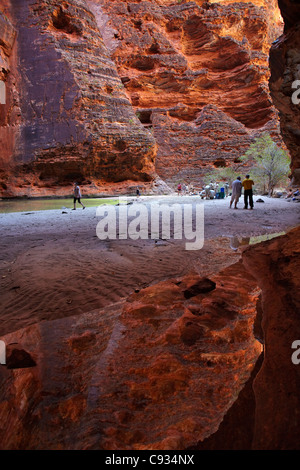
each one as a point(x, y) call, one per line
point(32, 205)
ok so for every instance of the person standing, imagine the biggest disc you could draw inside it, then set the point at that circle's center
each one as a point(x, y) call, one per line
point(236, 192)
point(209, 191)
point(248, 193)
point(77, 196)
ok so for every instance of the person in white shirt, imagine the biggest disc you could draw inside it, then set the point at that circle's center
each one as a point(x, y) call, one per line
point(77, 196)
point(236, 192)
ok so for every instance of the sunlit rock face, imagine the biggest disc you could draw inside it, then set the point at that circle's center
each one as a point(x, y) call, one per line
point(96, 88)
point(285, 81)
point(158, 370)
point(67, 116)
point(177, 60)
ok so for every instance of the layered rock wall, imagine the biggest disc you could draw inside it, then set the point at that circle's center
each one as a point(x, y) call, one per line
point(76, 121)
point(197, 75)
point(10, 112)
point(106, 92)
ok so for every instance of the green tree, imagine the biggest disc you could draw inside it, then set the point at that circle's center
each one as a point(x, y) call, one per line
point(228, 174)
point(272, 162)
point(225, 174)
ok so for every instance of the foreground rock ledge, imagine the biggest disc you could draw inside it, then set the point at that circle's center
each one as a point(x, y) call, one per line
point(165, 368)
point(156, 371)
point(276, 265)
point(266, 413)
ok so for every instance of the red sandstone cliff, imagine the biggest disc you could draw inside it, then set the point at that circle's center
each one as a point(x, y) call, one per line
point(197, 75)
point(109, 91)
point(67, 116)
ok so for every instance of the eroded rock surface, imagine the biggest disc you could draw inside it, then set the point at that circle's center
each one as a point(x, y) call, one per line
point(158, 370)
point(266, 414)
point(197, 75)
point(276, 265)
point(75, 122)
point(109, 92)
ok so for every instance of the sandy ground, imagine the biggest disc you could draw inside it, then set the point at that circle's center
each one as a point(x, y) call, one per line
point(53, 264)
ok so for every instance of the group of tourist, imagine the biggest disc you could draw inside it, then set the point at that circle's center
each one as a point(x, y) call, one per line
point(237, 186)
point(292, 194)
point(184, 189)
point(212, 191)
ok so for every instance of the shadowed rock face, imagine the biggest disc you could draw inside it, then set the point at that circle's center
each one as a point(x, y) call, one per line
point(266, 413)
point(97, 90)
point(75, 121)
point(285, 66)
point(276, 387)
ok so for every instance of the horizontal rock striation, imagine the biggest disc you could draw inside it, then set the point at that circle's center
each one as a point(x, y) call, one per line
point(177, 60)
point(76, 122)
point(212, 128)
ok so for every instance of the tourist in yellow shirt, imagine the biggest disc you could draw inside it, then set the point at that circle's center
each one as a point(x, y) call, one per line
point(248, 194)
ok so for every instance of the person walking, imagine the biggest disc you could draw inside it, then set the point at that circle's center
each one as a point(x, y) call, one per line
point(248, 193)
point(77, 196)
point(236, 192)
